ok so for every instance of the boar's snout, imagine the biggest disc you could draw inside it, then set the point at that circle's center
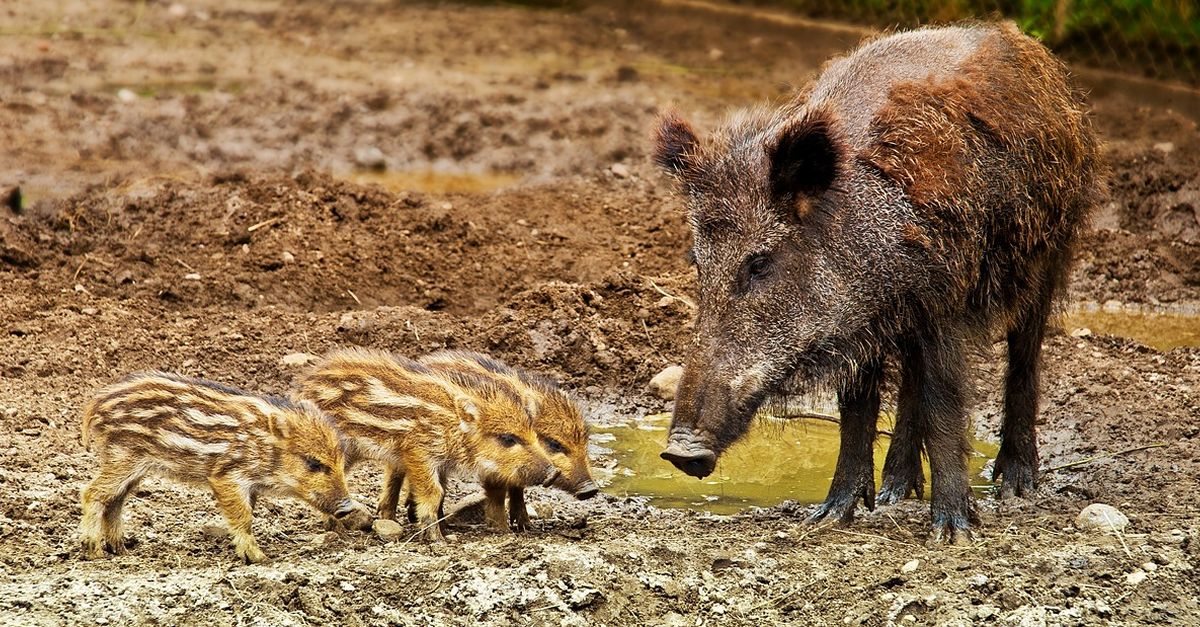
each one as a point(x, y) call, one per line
point(586, 490)
point(689, 454)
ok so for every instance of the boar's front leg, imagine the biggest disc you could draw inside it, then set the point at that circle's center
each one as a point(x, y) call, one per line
point(234, 502)
point(854, 477)
point(942, 413)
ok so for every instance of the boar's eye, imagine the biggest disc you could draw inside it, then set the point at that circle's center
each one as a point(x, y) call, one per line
point(758, 267)
point(508, 440)
point(554, 446)
point(314, 465)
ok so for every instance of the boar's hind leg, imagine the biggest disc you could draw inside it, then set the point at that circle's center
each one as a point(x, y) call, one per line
point(942, 413)
point(902, 473)
point(854, 477)
point(103, 501)
point(1017, 460)
point(234, 502)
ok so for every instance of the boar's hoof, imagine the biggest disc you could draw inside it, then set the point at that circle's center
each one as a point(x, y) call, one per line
point(697, 463)
point(1019, 476)
point(897, 486)
point(952, 529)
point(840, 507)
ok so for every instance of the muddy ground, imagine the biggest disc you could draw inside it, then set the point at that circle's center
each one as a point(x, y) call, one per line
point(188, 207)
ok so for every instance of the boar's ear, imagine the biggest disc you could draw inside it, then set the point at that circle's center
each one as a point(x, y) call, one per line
point(674, 144)
point(804, 156)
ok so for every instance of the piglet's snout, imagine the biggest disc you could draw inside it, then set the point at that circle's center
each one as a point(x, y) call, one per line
point(552, 475)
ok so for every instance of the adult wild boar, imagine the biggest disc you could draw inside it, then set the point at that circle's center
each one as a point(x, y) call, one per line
point(922, 194)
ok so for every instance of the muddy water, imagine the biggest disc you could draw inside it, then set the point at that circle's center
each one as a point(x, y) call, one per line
point(1162, 331)
point(778, 460)
point(433, 182)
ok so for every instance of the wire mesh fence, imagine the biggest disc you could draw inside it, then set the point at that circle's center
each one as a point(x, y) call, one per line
point(1157, 39)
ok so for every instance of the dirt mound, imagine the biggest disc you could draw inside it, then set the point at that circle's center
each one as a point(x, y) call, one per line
point(314, 243)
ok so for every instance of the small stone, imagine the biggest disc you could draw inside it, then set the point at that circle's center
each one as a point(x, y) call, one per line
point(715, 54)
point(191, 276)
point(664, 384)
point(1136, 577)
point(297, 360)
point(541, 511)
point(214, 532)
point(978, 581)
point(910, 566)
point(126, 95)
point(288, 257)
point(387, 530)
point(1101, 517)
point(619, 170)
point(909, 618)
point(1081, 332)
point(346, 586)
point(1165, 147)
point(370, 157)
point(1149, 567)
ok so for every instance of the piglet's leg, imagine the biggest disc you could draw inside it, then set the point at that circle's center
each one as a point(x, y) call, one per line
point(494, 507)
point(234, 502)
point(426, 491)
point(518, 515)
point(389, 499)
point(103, 501)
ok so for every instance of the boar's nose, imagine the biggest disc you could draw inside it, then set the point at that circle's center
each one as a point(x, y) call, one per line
point(698, 463)
point(586, 490)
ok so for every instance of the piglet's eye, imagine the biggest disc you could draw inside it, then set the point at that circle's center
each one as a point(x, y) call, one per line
point(508, 440)
point(554, 446)
point(314, 465)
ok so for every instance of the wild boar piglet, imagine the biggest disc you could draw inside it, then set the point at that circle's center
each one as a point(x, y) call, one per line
point(199, 432)
point(423, 425)
point(557, 420)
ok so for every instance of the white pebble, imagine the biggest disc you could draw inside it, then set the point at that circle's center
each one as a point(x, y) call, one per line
point(910, 566)
point(1101, 517)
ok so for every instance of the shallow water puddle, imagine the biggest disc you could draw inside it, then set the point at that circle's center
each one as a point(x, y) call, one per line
point(433, 182)
point(1162, 331)
point(776, 461)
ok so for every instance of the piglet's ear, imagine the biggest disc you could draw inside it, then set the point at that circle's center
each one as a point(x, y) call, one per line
point(675, 143)
point(279, 426)
point(804, 156)
point(468, 411)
